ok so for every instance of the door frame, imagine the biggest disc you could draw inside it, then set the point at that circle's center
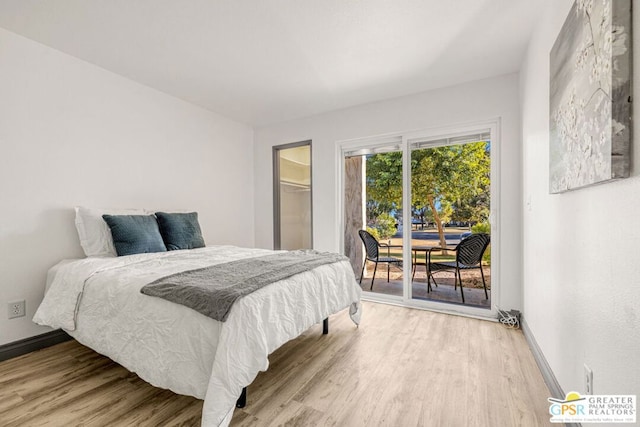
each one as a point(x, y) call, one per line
point(275, 150)
point(403, 139)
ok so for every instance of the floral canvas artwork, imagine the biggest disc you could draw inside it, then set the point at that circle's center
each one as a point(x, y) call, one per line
point(590, 96)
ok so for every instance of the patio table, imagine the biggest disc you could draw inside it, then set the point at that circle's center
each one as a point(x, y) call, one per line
point(427, 252)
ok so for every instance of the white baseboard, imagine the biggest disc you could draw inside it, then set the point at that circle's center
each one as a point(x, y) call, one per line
point(547, 374)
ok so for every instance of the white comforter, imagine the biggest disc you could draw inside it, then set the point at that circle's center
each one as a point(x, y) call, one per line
point(98, 301)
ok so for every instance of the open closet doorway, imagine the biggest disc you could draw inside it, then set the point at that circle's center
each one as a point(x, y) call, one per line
point(292, 201)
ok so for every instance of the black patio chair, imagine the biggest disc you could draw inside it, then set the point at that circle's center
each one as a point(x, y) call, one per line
point(469, 254)
point(372, 248)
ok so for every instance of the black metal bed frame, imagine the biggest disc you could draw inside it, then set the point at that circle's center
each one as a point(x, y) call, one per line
point(242, 400)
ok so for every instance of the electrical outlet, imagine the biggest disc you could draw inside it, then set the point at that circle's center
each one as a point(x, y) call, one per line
point(588, 380)
point(16, 309)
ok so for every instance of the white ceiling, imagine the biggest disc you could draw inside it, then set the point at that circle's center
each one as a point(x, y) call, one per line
point(264, 61)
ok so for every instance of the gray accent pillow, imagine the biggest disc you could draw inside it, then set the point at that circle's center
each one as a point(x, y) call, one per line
point(135, 234)
point(180, 230)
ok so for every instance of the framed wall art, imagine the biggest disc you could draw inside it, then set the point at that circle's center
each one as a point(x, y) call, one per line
point(590, 96)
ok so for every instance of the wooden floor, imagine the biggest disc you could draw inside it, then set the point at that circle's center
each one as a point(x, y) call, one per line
point(402, 367)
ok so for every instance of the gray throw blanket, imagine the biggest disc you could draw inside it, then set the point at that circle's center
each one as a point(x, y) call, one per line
point(213, 290)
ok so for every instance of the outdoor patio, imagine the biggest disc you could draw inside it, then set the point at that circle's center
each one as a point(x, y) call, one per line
point(444, 292)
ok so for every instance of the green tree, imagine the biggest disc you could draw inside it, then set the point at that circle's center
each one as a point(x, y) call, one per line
point(384, 183)
point(376, 208)
point(473, 210)
point(443, 179)
point(385, 224)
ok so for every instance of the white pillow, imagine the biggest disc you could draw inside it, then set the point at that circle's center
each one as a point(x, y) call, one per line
point(95, 236)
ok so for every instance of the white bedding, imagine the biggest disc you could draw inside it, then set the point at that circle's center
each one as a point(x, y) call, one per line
point(98, 302)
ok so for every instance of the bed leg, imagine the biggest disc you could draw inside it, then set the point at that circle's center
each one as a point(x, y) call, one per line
point(242, 400)
point(325, 326)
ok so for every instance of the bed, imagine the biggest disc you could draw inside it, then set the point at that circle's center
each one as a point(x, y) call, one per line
point(97, 300)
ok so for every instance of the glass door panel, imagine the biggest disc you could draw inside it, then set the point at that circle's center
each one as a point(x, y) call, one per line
point(450, 202)
point(373, 230)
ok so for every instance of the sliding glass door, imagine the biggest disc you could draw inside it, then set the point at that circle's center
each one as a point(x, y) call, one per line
point(417, 214)
point(450, 203)
point(373, 217)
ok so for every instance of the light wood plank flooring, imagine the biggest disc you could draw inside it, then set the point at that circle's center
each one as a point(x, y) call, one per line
point(402, 367)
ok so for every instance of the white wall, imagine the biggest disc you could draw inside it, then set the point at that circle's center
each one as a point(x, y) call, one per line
point(471, 102)
point(581, 264)
point(75, 134)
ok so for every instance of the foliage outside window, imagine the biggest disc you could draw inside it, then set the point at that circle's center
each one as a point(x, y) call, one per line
point(483, 227)
point(448, 183)
point(384, 226)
